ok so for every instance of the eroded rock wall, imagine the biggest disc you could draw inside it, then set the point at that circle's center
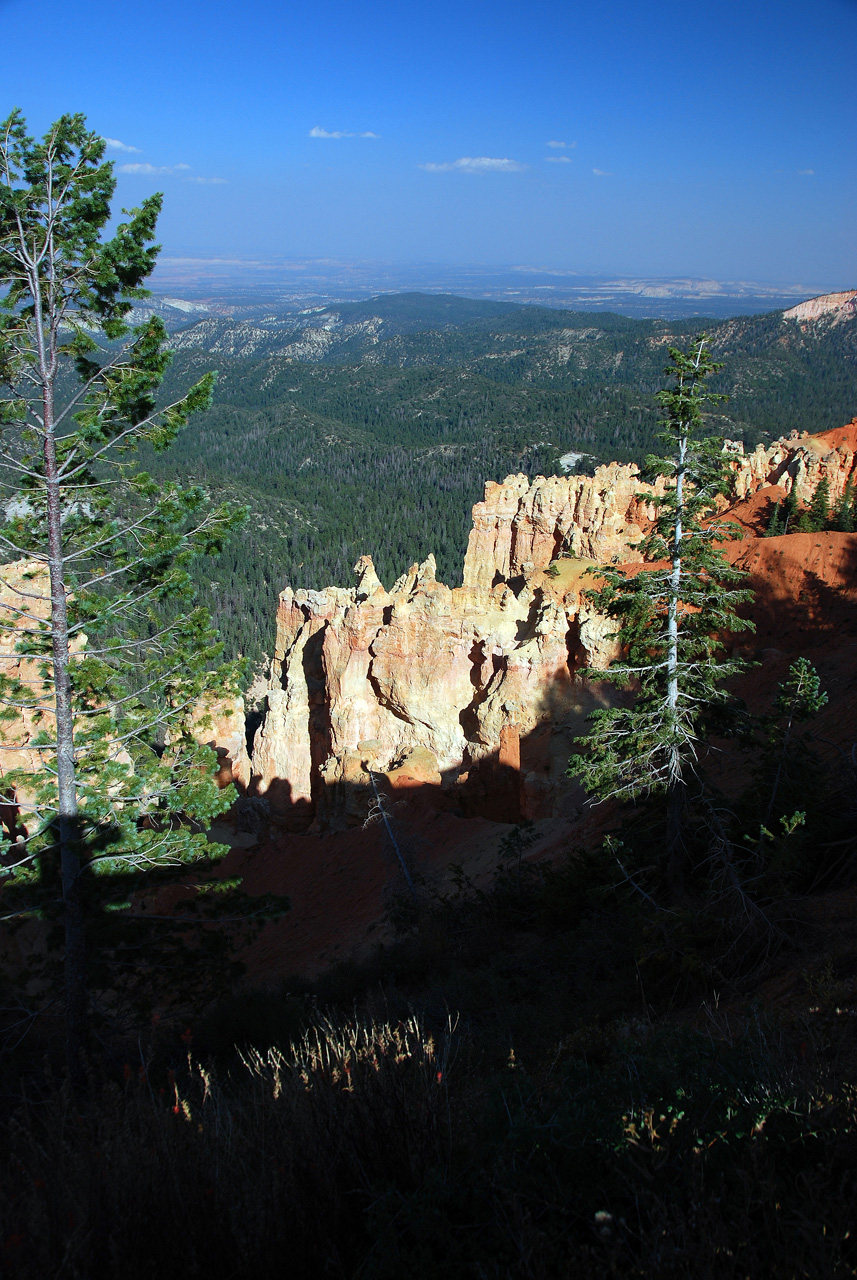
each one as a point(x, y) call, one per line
point(368, 677)
point(520, 526)
point(799, 462)
point(431, 681)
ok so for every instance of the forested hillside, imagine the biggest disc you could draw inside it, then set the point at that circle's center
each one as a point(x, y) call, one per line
point(372, 427)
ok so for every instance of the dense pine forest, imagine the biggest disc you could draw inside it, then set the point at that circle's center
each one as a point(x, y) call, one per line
point(371, 428)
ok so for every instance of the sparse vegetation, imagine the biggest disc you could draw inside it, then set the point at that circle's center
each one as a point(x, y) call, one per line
point(571, 1098)
point(595, 1082)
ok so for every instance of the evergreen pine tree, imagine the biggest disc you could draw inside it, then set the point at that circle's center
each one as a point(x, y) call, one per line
point(114, 660)
point(671, 617)
point(819, 508)
point(775, 522)
point(844, 519)
point(789, 511)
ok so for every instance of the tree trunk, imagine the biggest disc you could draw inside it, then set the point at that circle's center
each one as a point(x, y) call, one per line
point(76, 995)
point(675, 785)
point(675, 839)
point(675, 584)
point(46, 319)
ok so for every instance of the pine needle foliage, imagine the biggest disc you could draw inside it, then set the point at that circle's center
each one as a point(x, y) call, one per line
point(671, 613)
point(844, 518)
point(112, 659)
point(819, 508)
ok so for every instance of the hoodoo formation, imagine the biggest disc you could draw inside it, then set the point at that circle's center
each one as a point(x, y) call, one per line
point(447, 686)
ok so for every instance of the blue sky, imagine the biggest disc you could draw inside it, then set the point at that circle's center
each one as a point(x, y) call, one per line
point(715, 140)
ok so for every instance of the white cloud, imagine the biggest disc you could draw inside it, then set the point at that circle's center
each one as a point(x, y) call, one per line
point(113, 144)
point(142, 169)
point(318, 132)
point(558, 159)
point(476, 164)
point(806, 173)
point(602, 173)
point(561, 145)
point(146, 170)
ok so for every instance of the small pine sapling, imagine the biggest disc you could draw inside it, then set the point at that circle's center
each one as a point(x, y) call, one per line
point(789, 767)
point(789, 511)
point(775, 521)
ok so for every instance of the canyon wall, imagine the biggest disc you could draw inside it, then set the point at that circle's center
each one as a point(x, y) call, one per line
point(456, 687)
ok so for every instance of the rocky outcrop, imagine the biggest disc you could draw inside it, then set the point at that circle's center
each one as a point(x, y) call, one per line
point(799, 462)
point(520, 526)
point(369, 679)
point(453, 685)
point(221, 726)
point(837, 306)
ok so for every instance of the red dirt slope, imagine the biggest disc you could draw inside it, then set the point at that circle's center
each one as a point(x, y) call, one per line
point(340, 884)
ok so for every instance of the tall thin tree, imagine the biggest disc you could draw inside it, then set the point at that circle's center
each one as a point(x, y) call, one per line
point(673, 614)
point(113, 660)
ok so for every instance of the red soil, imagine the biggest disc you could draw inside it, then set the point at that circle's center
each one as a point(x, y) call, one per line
point(806, 588)
point(340, 884)
point(754, 512)
point(837, 436)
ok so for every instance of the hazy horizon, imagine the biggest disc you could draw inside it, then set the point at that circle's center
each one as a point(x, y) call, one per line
point(238, 286)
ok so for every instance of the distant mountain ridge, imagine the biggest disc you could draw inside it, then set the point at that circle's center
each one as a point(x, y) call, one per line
point(255, 288)
point(397, 329)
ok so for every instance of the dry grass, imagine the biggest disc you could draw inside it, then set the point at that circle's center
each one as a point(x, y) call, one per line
point(371, 1150)
point(196, 1175)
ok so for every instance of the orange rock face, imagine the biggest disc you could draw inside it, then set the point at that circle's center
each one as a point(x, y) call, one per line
point(799, 462)
point(446, 683)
